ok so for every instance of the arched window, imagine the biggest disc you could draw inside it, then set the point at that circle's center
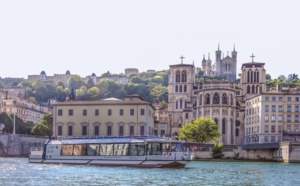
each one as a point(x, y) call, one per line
point(177, 76)
point(237, 132)
point(183, 76)
point(257, 89)
point(253, 89)
point(231, 99)
point(180, 88)
point(216, 98)
point(254, 76)
point(223, 126)
point(176, 88)
point(184, 88)
point(176, 104)
point(216, 120)
point(248, 89)
point(200, 100)
point(224, 98)
point(180, 106)
point(207, 99)
point(257, 74)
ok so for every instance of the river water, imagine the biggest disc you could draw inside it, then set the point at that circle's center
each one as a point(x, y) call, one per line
point(17, 171)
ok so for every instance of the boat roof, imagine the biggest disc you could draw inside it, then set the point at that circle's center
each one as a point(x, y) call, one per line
point(113, 140)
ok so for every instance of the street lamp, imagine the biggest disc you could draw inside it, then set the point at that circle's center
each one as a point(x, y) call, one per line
point(14, 111)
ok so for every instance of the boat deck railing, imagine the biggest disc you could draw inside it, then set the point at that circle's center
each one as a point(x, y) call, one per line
point(112, 137)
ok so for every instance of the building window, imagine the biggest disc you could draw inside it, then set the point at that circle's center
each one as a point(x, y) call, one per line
point(280, 108)
point(296, 108)
point(280, 99)
point(279, 129)
point(184, 88)
point(272, 139)
point(273, 129)
point(273, 118)
point(273, 108)
point(84, 130)
point(59, 112)
point(109, 112)
point(266, 108)
point(288, 128)
point(266, 98)
point(121, 130)
point(142, 130)
point(289, 108)
point(96, 130)
point(59, 130)
point(70, 112)
point(97, 112)
point(84, 112)
point(296, 129)
point(180, 105)
point(297, 118)
point(142, 112)
point(266, 139)
point(121, 112)
point(266, 118)
point(176, 88)
point(273, 98)
point(280, 118)
point(109, 130)
point(297, 99)
point(70, 130)
point(131, 112)
point(289, 99)
point(266, 128)
point(186, 115)
point(288, 118)
point(131, 130)
point(223, 126)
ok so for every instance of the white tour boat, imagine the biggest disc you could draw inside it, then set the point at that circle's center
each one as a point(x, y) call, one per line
point(134, 152)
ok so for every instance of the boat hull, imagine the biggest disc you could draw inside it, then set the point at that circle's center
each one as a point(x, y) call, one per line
point(115, 163)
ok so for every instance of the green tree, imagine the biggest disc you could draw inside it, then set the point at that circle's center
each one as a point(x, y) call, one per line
point(75, 82)
point(217, 151)
point(44, 128)
point(200, 130)
point(94, 93)
point(268, 77)
point(90, 83)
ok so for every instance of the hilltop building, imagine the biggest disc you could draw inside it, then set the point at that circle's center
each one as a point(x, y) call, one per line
point(224, 67)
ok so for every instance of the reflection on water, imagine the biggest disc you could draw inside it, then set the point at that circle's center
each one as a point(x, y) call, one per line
point(17, 171)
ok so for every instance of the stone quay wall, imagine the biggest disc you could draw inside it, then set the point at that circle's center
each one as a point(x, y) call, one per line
point(19, 145)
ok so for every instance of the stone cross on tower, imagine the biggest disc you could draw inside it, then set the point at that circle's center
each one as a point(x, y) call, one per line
point(181, 59)
point(252, 58)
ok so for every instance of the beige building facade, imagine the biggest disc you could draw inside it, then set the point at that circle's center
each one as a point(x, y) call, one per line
point(109, 117)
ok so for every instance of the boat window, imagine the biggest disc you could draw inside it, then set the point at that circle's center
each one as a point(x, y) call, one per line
point(106, 149)
point(166, 147)
point(154, 149)
point(79, 150)
point(121, 149)
point(67, 150)
point(137, 149)
point(93, 150)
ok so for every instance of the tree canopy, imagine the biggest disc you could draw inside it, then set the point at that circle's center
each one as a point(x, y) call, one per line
point(200, 130)
point(44, 128)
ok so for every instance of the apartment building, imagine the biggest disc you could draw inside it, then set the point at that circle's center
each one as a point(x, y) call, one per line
point(23, 109)
point(108, 117)
point(273, 116)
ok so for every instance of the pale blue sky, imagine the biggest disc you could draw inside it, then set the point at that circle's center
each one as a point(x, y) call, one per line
point(88, 37)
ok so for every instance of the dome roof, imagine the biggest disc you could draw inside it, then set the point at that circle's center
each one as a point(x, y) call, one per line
point(43, 72)
point(68, 72)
